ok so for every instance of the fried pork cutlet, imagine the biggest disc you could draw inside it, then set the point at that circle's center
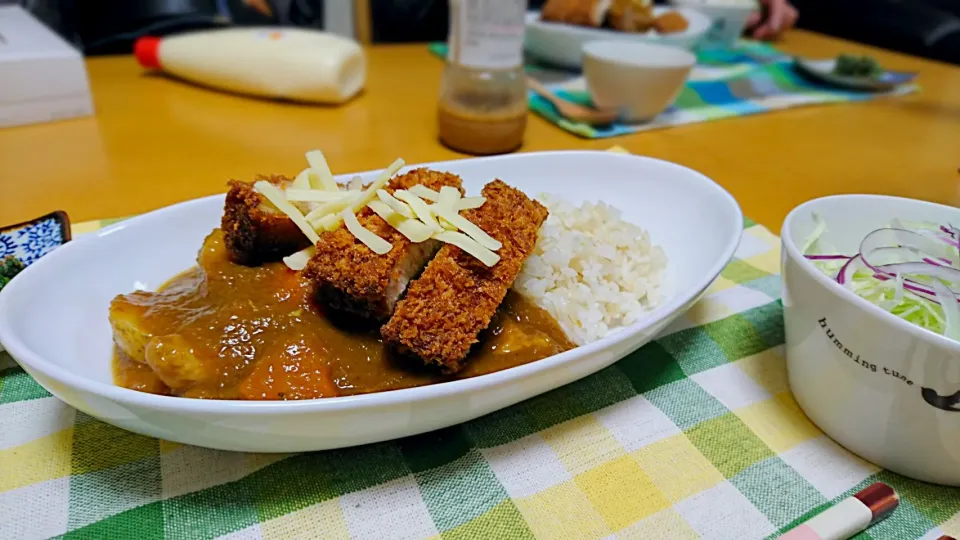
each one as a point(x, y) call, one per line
point(351, 278)
point(578, 12)
point(254, 231)
point(457, 295)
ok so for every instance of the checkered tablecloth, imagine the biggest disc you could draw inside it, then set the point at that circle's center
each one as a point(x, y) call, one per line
point(751, 77)
point(694, 435)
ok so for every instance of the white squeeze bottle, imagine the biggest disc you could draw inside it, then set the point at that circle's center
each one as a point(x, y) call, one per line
point(285, 63)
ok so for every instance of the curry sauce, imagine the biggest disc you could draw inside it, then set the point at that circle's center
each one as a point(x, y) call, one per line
point(226, 331)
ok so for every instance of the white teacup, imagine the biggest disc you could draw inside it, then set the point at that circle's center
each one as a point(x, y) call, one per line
point(639, 79)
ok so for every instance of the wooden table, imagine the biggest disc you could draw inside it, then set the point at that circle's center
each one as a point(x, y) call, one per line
point(155, 141)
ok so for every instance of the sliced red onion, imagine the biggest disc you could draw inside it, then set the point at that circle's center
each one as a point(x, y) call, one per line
point(884, 239)
point(847, 270)
point(951, 310)
point(955, 233)
point(911, 286)
point(922, 269)
point(948, 241)
point(827, 257)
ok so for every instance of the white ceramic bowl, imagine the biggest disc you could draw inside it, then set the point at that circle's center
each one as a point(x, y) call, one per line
point(727, 19)
point(53, 317)
point(562, 44)
point(638, 79)
point(861, 374)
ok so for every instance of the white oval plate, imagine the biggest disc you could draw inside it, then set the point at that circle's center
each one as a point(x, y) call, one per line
point(562, 44)
point(53, 317)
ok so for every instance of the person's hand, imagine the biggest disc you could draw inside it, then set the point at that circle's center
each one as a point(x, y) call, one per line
point(774, 18)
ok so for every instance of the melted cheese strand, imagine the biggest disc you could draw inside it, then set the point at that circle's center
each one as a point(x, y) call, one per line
point(419, 208)
point(372, 241)
point(467, 227)
point(396, 204)
point(319, 165)
point(424, 192)
point(298, 261)
point(414, 230)
point(276, 196)
point(469, 245)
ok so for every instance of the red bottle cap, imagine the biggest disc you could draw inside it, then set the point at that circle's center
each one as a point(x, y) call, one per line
point(146, 49)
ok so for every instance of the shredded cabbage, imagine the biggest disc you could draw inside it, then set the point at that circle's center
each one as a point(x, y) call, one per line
point(877, 273)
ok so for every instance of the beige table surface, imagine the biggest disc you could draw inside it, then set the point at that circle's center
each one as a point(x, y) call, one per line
point(155, 141)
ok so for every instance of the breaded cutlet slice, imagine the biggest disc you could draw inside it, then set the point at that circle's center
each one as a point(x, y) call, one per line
point(577, 12)
point(457, 295)
point(350, 277)
point(254, 231)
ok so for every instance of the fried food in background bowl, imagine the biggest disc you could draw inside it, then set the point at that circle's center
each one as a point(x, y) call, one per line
point(621, 15)
point(558, 33)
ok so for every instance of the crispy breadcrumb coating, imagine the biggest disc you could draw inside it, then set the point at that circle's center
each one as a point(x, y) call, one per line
point(350, 277)
point(457, 295)
point(254, 231)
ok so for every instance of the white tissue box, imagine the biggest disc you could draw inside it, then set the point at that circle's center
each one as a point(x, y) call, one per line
point(42, 77)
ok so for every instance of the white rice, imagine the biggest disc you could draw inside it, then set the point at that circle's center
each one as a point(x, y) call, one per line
point(591, 270)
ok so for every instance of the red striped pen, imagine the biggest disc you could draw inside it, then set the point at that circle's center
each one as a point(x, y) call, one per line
point(849, 516)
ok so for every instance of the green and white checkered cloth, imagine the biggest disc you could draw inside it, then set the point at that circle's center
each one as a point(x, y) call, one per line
point(694, 435)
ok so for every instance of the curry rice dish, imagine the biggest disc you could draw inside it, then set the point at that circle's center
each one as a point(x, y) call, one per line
point(269, 314)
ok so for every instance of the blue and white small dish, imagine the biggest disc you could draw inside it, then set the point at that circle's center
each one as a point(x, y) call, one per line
point(30, 240)
point(823, 70)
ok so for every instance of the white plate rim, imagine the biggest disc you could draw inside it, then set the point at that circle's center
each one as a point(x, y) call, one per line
point(121, 395)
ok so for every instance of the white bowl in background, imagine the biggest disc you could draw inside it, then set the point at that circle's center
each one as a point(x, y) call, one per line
point(562, 44)
point(639, 79)
point(866, 377)
point(728, 19)
point(53, 317)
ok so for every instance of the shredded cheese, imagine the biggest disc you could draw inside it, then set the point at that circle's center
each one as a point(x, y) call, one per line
point(331, 222)
point(469, 203)
point(318, 164)
point(313, 195)
point(302, 181)
point(329, 209)
point(396, 204)
point(424, 192)
point(298, 261)
point(448, 196)
point(419, 207)
point(372, 241)
point(447, 225)
point(276, 196)
point(469, 245)
point(419, 213)
point(467, 227)
point(414, 230)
